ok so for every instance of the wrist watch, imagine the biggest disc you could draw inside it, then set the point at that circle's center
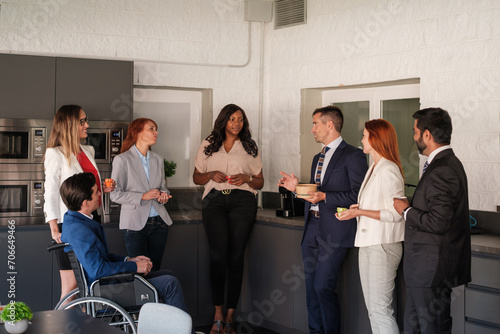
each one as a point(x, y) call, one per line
point(250, 179)
point(404, 211)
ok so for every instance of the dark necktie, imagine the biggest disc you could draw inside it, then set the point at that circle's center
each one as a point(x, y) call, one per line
point(320, 164)
point(425, 167)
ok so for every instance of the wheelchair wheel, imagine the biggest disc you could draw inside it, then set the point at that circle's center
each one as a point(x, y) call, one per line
point(68, 297)
point(104, 310)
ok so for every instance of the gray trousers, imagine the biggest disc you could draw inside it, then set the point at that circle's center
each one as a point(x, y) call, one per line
point(378, 265)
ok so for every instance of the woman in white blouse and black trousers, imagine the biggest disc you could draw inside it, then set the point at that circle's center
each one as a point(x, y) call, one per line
point(229, 165)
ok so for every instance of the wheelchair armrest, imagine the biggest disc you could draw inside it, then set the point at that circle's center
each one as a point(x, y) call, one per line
point(117, 278)
point(55, 246)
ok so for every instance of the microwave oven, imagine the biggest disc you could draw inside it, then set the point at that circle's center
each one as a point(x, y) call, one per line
point(23, 141)
point(106, 138)
point(22, 201)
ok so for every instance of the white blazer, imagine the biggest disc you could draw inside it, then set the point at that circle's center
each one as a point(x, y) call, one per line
point(376, 193)
point(132, 183)
point(56, 171)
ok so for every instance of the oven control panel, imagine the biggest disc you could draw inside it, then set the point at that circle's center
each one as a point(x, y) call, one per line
point(116, 142)
point(37, 200)
point(38, 143)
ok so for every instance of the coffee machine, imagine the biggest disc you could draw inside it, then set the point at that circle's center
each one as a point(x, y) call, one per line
point(290, 205)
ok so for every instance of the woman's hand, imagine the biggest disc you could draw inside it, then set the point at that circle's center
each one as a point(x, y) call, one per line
point(238, 179)
point(54, 231)
point(152, 194)
point(164, 197)
point(108, 189)
point(353, 212)
point(217, 176)
point(204, 178)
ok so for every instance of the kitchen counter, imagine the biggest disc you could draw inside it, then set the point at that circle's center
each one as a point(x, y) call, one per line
point(484, 243)
point(263, 215)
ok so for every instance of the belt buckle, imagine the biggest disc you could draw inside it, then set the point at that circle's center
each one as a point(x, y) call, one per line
point(226, 191)
point(314, 213)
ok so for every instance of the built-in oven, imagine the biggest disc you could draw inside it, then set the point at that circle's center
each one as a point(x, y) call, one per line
point(21, 194)
point(23, 141)
point(106, 138)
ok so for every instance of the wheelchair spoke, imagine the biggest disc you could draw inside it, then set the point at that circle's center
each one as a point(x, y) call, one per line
point(106, 311)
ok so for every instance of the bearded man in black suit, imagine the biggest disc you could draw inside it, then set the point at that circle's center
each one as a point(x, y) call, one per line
point(437, 249)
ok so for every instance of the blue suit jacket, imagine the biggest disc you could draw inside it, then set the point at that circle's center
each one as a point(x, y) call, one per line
point(341, 183)
point(87, 240)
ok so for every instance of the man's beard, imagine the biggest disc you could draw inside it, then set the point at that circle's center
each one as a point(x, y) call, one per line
point(420, 145)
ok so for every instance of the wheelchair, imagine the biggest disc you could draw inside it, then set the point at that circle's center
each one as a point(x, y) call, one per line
point(115, 299)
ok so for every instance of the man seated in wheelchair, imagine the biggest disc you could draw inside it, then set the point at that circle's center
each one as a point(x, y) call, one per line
point(86, 238)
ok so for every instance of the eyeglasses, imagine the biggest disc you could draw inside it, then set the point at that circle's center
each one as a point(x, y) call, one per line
point(83, 121)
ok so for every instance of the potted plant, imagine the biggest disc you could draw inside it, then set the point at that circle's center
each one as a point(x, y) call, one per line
point(169, 168)
point(16, 316)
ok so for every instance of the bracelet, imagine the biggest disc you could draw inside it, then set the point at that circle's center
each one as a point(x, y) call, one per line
point(250, 179)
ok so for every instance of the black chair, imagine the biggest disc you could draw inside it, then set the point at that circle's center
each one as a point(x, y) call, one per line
point(115, 299)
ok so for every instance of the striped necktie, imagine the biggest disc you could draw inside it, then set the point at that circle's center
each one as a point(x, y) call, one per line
point(320, 164)
point(425, 167)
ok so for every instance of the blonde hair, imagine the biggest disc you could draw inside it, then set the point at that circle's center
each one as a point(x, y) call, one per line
point(65, 130)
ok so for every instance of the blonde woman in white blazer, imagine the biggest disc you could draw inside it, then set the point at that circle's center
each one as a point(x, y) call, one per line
point(64, 157)
point(141, 190)
point(380, 230)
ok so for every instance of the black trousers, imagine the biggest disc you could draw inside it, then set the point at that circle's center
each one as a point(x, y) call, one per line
point(228, 220)
point(427, 310)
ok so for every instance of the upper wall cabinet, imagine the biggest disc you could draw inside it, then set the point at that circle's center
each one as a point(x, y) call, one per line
point(102, 87)
point(27, 86)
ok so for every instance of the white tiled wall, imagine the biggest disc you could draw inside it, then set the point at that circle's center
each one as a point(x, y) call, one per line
point(453, 46)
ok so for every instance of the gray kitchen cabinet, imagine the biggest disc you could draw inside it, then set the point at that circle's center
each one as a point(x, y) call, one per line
point(31, 277)
point(471, 328)
point(27, 86)
point(205, 307)
point(482, 295)
point(102, 87)
point(273, 293)
point(271, 277)
point(181, 256)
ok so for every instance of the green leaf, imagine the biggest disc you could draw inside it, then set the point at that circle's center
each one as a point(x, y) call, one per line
point(169, 168)
point(15, 312)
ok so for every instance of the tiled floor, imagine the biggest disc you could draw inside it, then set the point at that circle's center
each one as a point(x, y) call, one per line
point(256, 330)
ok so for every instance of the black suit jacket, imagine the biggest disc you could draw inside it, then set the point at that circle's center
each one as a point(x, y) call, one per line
point(341, 182)
point(437, 235)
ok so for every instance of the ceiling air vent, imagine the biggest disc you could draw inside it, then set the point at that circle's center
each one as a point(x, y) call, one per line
point(289, 13)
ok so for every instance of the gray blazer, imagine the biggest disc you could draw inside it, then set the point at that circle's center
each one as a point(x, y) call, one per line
point(132, 183)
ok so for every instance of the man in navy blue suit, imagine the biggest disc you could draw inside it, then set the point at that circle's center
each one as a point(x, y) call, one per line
point(339, 171)
point(86, 238)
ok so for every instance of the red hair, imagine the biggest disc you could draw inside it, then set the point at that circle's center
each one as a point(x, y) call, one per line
point(133, 131)
point(383, 139)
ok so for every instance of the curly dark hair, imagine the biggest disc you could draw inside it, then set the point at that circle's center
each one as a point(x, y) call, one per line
point(218, 135)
